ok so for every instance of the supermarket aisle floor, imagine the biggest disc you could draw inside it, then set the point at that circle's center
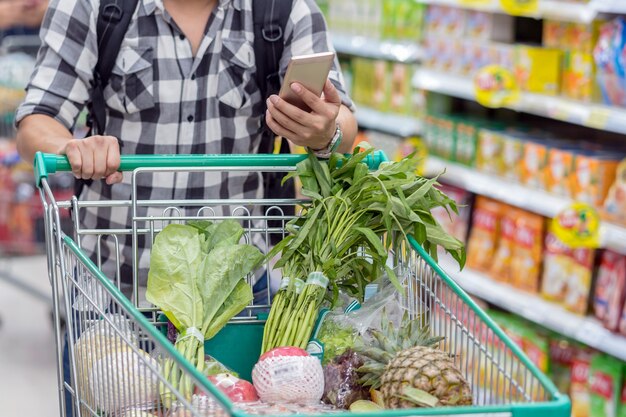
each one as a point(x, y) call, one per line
point(27, 352)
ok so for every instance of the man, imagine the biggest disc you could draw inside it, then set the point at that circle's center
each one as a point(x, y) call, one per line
point(183, 83)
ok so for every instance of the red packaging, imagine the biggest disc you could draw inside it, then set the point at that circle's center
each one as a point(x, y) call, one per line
point(622, 321)
point(610, 291)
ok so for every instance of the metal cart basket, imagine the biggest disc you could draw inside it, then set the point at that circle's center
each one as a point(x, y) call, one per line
point(117, 350)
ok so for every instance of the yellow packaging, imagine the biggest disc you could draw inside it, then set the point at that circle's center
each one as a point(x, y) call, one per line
point(528, 251)
point(537, 69)
point(578, 76)
point(489, 151)
point(512, 154)
point(400, 92)
point(582, 37)
point(533, 164)
point(579, 282)
point(484, 234)
point(558, 170)
point(593, 176)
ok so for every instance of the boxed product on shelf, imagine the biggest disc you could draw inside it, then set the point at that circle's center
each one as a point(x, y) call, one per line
point(556, 264)
point(534, 163)
point(615, 203)
point(527, 252)
point(445, 21)
point(400, 90)
point(580, 390)
point(501, 266)
point(562, 354)
point(512, 155)
point(579, 280)
point(483, 26)
point(622, 405)
point(578, 76)
point(403, 20)
point(610, 289)
point(622, 321)
point(594, 173)
point(489, 153)
point(609, 59)
point(605, 381)
point(484, 233)
point(538, 69)
point(560, 166)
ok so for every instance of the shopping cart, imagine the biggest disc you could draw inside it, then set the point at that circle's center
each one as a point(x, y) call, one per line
point(118, 351)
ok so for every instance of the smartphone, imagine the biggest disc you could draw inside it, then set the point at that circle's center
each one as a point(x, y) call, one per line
point(309, 70)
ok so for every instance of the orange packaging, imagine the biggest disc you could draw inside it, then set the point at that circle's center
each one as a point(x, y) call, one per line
point(554, 33)
point(558, 170)
point(593, 176)
point(527, 253)
point(579, 390)
point(501, 266)
point(484, 235)
point(534, 162)
point(579, 280)
point(556, 265)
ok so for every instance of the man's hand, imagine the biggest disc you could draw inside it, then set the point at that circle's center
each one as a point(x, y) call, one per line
point(314, 129)
point(94, 158)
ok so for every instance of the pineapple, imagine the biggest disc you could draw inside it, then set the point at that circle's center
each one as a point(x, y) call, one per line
point(408, 369)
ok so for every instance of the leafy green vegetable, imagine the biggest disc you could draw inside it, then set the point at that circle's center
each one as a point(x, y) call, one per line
point(355, 218)
point(197, 277)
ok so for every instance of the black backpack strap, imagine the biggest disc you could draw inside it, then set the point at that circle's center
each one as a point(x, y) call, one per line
point(270, 20)
point(114, 18)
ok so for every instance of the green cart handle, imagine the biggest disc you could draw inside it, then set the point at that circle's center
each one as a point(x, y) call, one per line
point(46, 164)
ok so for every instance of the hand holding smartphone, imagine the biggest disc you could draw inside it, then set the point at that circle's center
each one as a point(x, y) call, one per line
point(309, 70)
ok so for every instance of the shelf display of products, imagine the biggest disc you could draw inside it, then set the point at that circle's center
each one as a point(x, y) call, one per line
point(579, 169)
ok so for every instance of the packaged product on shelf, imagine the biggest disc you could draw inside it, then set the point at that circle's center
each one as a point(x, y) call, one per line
point(554, 33)
point(578, 77)
point(512, 154)
point(558, 171)
point(537, 69)
point(534, 163)
point(400, 88)
point(594, 173)
point(466, 142)
point(609, 59)
point(484, 233)
point(501, 266)
point(556, 268)
point(456, 225)
point(615, 203)
point(562, 354)
point(489, 152)
point(446, 140)
point(408, 20)
point(579, 390)
point(483, 26)
point(454, 22)
point(622, 321)
point(528, 251)
point(579, 280)
point(610, 290)
point(622, 405)
point(605, 381)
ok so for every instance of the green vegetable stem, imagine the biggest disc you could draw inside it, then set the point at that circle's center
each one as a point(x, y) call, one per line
point(347, 232)
point(197, 278)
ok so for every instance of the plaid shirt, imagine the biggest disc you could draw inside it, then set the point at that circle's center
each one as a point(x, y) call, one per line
point(163, 100)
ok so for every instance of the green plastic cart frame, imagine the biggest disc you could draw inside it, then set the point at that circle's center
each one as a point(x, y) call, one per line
point(110, 332)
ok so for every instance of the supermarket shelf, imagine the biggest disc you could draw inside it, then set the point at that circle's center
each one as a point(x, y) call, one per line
point(532, 307)
point(409, 52)
point(393, 124)
point(537, 201)
point(596, 116)
point(550, 9)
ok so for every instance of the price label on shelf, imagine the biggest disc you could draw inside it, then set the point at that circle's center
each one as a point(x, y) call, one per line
point(578, 226)
point(495, 87)
point(520, 7)
point(598, 118)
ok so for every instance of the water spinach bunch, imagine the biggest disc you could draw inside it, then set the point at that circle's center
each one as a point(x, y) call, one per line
point(341, 243)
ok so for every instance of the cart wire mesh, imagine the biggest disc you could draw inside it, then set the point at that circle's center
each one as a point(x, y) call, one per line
point(118, 356)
